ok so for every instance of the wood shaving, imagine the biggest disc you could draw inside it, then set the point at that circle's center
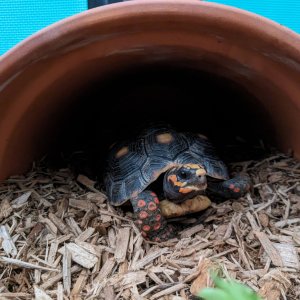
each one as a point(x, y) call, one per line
point(61, 239)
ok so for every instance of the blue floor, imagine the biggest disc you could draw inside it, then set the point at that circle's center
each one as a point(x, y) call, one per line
point(21, 18)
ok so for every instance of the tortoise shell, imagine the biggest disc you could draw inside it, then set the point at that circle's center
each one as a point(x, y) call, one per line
point(135, 164)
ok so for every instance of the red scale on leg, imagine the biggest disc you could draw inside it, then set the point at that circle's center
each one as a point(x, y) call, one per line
point(146, 228)
point(141, 203)
point(151, 223)
point(237, 190)
point(152, 206)
point(156, 226)
point(158, 217)
point(143, 215)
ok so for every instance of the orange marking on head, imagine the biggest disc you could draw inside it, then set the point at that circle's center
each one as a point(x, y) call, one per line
point(152, 206)
point(200, 170)
point(164, 138)
point(185, 190)
point(143, 215)
point(141, 203)
point(123, 151)
point(192, 166)
point(173, 179)
point(146, 228)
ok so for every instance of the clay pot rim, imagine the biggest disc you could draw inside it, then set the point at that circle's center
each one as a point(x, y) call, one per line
point(36, 75)
point(263, 28)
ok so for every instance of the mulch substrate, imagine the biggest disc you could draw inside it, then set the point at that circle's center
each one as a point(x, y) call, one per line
point(60, 239)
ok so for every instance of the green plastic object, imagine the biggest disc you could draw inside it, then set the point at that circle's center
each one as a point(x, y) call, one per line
point(228, 290)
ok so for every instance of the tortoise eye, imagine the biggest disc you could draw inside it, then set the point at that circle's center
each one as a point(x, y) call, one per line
point(183, 174)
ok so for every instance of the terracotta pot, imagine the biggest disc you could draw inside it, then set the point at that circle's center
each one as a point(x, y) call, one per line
point(41, 76)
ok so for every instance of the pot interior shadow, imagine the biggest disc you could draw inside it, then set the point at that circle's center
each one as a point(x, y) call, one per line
point(116, 108)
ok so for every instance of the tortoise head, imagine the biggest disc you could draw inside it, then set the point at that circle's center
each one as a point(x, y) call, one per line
point(181, 183)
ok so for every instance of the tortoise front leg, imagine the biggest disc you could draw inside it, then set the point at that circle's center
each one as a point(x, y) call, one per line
point(149, 219)
point(233, 188)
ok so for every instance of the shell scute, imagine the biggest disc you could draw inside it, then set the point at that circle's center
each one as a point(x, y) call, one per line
point(133, 165)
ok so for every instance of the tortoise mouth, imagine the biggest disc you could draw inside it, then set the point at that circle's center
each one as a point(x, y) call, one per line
point(198, 189)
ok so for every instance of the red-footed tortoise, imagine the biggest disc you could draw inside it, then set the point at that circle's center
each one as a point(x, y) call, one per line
point(190, 164)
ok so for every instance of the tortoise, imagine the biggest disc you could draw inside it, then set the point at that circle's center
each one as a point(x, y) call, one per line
point(189, 164)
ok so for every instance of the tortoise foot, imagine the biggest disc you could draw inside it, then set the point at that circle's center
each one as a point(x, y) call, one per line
point(236, 187)
point(233, 188)
point(149, 219)
point(166, 233)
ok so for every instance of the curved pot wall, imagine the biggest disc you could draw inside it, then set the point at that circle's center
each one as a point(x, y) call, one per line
point(38, 75)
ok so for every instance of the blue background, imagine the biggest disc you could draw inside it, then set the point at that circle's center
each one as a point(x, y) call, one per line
point(21, 18)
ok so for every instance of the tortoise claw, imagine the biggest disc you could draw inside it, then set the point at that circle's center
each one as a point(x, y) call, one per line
point(166, 233)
